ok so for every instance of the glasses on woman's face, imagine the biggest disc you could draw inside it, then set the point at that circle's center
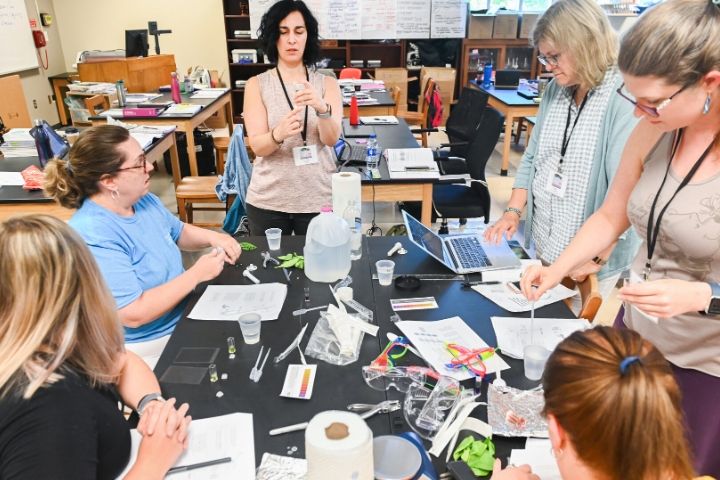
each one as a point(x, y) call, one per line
point(141, 163)
point(653, 111)
point(549, 60)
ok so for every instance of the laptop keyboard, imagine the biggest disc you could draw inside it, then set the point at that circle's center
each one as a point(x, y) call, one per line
point(470, 253)
point(354, 154)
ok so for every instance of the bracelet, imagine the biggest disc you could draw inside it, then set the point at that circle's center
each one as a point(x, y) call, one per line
point(516, 211)
point(599, 261)
point(272, 135)
point(145, 401)
point(328, 112)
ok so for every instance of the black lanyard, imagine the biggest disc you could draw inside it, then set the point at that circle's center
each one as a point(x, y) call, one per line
point(566, 137)
point(653, 226)
point(304, 130)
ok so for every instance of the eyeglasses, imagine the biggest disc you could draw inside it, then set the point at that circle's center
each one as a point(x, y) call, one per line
point(651, 111)
point(549, 60)
point(142, 164)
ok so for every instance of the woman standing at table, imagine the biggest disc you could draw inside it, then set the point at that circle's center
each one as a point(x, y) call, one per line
point(668, 188)
point(292, 114)
point(613, 411)
point(133, 237)
point(63, 367)
point(575, 148)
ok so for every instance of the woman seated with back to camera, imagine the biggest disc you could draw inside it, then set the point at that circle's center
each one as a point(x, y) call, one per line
point(575, 149)
point(134, 238)
point(613, 411)
point(63, 367)
point(292, 114)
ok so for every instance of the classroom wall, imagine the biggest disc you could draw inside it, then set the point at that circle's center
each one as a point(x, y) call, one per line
point(197, 38)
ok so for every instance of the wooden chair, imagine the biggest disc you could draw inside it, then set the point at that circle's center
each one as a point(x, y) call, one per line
point(420, 118)
point(95, 101)
point(589, 294)
point(350, 74)
point(395, 94)
point(395, 77)
point(445, 80)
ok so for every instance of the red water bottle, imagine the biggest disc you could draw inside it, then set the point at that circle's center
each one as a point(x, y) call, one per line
point(354, 113)
point(175, 88)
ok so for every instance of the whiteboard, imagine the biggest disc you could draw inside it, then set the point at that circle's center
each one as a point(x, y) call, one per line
point(17, 49)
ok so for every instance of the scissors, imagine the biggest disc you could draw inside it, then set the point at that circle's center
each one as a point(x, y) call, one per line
point(469, 358)
point(268, 258)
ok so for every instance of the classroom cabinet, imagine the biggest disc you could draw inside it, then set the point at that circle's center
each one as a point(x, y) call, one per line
point(511, 54)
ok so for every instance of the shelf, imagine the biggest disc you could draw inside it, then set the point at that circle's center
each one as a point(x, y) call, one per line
point(269, 65)
point(242, 40)
point(237, 16)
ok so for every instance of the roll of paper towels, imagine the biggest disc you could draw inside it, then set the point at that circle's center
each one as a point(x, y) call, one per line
point(345, 187)
point(338, 446)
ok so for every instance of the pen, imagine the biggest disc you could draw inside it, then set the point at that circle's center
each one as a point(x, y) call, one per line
point(193, 466)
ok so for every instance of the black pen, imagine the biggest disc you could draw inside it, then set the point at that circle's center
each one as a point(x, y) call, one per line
point(193, 466)
point(472, 284)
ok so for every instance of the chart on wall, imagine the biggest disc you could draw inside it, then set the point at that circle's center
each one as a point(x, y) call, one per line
point(379, 19)
point(17, 50)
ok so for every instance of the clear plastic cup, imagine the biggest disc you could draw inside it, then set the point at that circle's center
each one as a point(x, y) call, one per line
point(250, 327)
point(273, 235)
point(535, 357)
point(385, 271)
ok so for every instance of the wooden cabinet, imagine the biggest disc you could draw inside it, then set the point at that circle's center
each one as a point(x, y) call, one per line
point(141, 74)
point(512, 54)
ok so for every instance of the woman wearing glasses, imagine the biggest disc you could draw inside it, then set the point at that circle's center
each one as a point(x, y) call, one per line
point(668, 188)
point(574, 150)
point(134, 238)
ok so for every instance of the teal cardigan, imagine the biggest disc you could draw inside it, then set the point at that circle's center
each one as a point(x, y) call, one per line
point(617, 125)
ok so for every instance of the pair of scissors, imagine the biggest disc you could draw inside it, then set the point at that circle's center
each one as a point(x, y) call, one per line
point(469, 358)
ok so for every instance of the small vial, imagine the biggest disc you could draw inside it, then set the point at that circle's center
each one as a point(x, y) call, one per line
point(213, 372)
point(231, 345)
point(307, 295)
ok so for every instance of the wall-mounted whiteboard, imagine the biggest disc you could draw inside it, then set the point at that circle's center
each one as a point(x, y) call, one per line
point(17, 49)
point(379, 19)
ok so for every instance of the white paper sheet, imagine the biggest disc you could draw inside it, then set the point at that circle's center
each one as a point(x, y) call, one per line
point(513, 333)
point(537, 454)
point(228, 302)
point(212, 438)
point(449, 18)
point(508, 297)
point(209, 93)
point(430, 339)
point(413, 20)
point(378, 20)
point(11, 178)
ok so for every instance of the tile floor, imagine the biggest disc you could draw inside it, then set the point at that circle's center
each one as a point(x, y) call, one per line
point(387, 213)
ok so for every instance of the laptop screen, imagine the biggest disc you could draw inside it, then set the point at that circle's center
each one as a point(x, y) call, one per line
point(424, 236)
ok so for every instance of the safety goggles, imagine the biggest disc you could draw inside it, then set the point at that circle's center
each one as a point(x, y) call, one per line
point(400, 378)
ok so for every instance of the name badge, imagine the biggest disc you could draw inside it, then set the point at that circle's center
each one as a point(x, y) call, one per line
point(305, 155)
point(557, 183)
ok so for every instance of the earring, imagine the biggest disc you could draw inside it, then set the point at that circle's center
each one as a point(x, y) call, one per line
point(115, 195)
point(706, 106)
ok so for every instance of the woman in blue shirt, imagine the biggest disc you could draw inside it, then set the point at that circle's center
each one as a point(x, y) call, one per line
point(134, 238)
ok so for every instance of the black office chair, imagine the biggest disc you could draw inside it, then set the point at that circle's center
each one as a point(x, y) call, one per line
point(471, 201)
point(463, 121)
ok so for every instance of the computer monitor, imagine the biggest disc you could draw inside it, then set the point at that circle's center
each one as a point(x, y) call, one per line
point(136, 43)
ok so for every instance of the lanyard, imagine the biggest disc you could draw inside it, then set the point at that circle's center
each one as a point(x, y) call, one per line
point(304, 130)
point(653, 226)
point(566, 137)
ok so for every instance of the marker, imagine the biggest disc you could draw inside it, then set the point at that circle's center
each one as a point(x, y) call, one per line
point(194, 466)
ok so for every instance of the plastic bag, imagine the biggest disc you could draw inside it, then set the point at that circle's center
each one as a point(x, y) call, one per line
point(324, 343)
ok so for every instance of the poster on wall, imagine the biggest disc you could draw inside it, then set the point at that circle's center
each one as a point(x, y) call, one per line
point(379, 18)
point(413, 20)
point(257, 10)
point(449, 18)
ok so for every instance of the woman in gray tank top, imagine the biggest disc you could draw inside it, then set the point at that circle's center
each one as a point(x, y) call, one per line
point(668, 188)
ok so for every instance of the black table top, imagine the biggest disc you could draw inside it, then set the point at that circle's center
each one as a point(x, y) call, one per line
point(16, 193)
point(335, 386)
point(383, 100)
point(167, 97)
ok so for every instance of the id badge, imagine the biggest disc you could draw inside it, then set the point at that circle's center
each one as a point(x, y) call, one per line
point(557, 183)
point(305, 155)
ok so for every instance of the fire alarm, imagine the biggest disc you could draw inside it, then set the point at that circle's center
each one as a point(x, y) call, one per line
point(46, 19)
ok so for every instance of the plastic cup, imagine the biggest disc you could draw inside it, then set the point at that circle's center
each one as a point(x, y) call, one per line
point(273, 235)
point(535, 358)
point(250, 327)
point(385, 271)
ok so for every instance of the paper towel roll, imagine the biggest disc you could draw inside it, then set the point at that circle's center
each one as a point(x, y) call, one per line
point(345, 187)
point(338, 446)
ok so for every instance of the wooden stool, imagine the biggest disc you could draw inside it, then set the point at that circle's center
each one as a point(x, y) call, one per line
point(221, 148)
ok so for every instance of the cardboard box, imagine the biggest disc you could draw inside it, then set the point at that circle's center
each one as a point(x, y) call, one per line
point(527, 23)
point(505, 26)
point(480, 27)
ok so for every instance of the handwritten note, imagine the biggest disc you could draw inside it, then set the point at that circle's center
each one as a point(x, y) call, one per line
point(379, 18)
point(257, 10)
point(449, 18)
point(413, 20)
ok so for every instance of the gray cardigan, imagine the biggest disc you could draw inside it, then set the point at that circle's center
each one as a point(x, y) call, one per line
point(619, 122)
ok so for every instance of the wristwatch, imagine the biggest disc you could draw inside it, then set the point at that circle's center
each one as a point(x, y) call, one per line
point(599, 261)
point(328, 111)
point(516, 211)
point(145, 401)
point(713, 307)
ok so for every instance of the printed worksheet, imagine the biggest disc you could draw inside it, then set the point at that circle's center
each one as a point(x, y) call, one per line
point(431, 338)
point(513, 333)
point(228, 302)
point(507, 295)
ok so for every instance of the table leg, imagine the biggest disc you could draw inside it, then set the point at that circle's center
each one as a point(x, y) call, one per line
point(427, 198)
point(506, 146)
point(192, 157)
point(229, 118)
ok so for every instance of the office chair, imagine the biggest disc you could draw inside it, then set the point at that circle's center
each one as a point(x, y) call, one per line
point(350, 74)
point(465, 201)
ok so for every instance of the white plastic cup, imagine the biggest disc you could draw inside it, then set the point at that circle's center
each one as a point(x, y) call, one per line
point(250, 327)
point(535, 357)
point(273, 235)
point(385, 271)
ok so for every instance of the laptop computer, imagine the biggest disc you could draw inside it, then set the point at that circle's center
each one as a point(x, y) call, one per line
point(349, 154)
point(460, 253)
point(507, 79)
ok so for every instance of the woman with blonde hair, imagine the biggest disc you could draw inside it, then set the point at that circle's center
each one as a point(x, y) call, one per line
point(63, 367)
point(668, 188)
point(613, 410)
point(136, 241)
point(574, 150)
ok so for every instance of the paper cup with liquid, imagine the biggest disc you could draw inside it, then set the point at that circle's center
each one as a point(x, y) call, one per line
point(250, 327)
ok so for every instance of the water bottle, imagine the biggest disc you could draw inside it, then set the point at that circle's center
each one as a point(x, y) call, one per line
point(175, 88)
point(120, 90)
point(372, 152)
point(487, 75)
point(327, 248)
point(353, 217)
point(189, 85)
